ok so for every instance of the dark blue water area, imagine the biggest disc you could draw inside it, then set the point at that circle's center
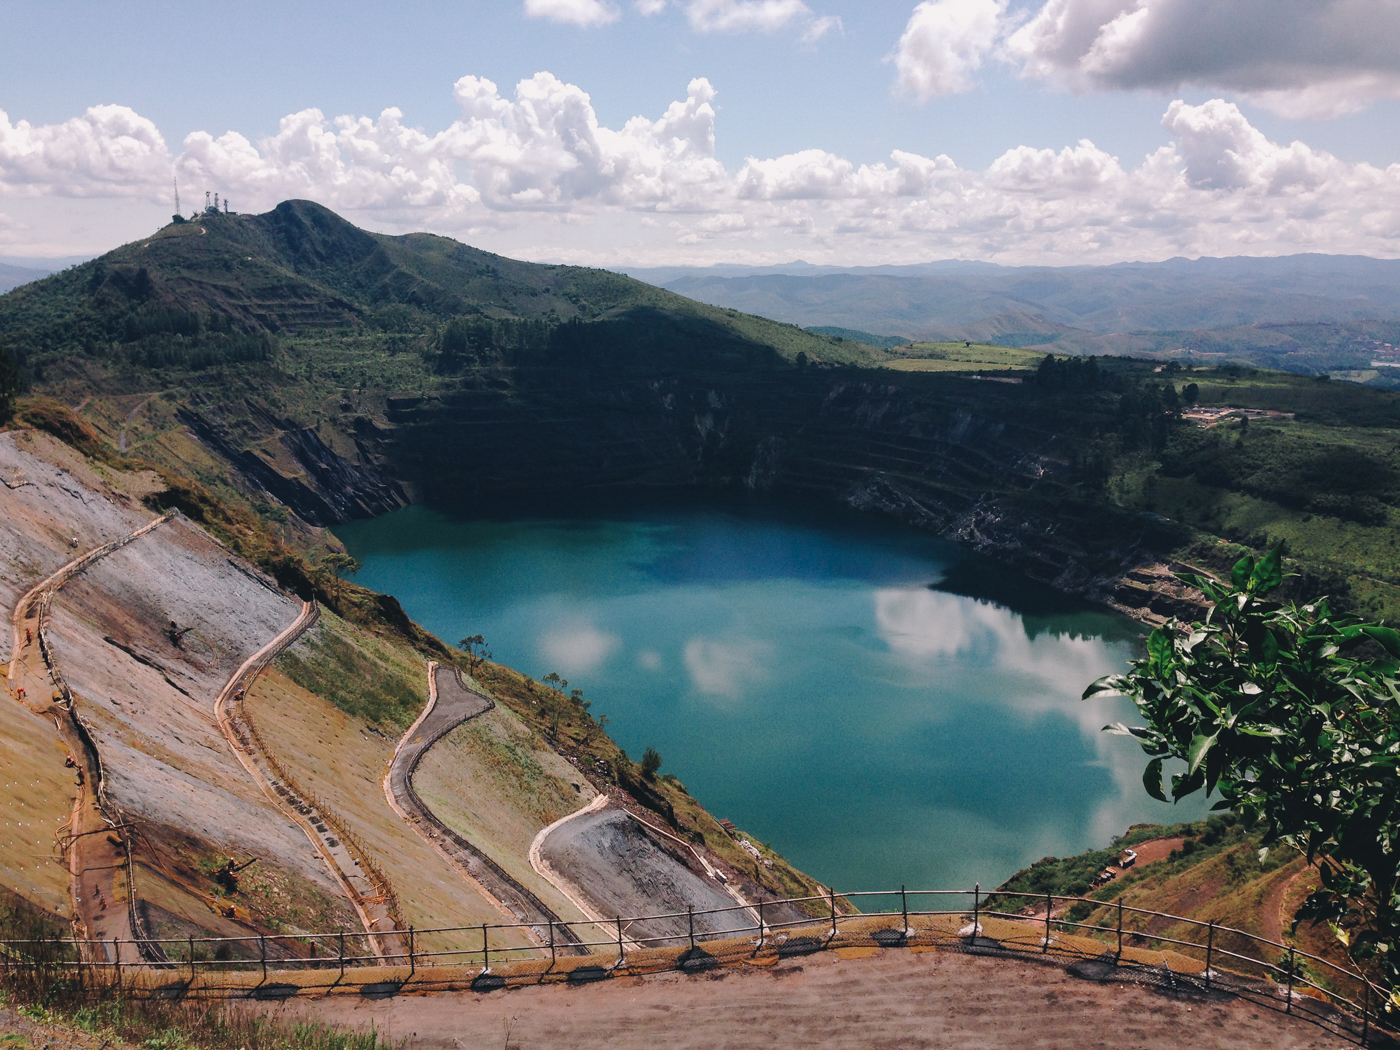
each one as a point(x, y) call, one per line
point(881, 706)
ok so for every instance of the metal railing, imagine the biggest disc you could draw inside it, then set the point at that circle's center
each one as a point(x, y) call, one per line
point(1106, 940)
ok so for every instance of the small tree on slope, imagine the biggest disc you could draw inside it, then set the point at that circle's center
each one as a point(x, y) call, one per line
point(1293, 715)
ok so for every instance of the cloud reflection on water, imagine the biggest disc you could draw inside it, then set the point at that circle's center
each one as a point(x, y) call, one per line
point(576, 648)
point(726, 666)
point(1041, 674)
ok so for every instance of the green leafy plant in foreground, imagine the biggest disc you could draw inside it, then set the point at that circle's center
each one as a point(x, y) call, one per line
point(1293, 715)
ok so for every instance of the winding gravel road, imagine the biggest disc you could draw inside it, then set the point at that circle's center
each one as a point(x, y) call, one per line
point(450, 703)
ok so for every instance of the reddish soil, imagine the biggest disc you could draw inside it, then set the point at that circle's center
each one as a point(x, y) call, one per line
point(1153, 850)
point(894, 999)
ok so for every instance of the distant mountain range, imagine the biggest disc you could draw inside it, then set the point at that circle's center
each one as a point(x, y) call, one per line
point(14, 276)
point(924, 302)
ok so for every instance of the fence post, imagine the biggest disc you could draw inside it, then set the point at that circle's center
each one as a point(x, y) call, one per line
point(342, 953)
point(760, 924)
point(117, 962)
point(1290, 978)
point(976, 908)
point(690, 908)
point(551, 944)
point(1366, 1016)
point(485, 950)
point(621, 956)
point(904, 910)
point(1119, 956)
point(832, 893)
point(191, 961)
point(1049, 907)
point(1210, 949)
point(412, 960)
point(262, 951)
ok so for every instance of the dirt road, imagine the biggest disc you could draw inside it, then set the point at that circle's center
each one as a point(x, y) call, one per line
point(370, 901)
point(889, 998)
point(96, 851)
point(451, 702)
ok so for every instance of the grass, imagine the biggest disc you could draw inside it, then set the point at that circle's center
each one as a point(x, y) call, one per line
point(364, 676)
point(961, 357)
point(61, 1003)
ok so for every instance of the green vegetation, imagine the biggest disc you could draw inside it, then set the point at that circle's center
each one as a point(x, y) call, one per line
point(1289, 712)
point(1074, 876)
point(884, 342)
point(225, 290)
point(363, 676)
point(963, 357)
point(651, 763)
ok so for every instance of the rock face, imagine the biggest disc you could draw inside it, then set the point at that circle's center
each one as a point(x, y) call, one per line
point(328, 489)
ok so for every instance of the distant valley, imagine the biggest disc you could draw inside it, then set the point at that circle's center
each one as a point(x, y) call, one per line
point(1305, 313)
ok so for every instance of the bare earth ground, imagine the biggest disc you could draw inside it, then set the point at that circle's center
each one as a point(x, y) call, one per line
point(894, 998)
point(621, 870)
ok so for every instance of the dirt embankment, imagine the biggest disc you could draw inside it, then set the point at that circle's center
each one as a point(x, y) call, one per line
point(620, 869)
point(144, 638)
point(893, 998)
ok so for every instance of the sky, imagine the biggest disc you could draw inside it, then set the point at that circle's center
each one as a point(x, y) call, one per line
point(627, 133)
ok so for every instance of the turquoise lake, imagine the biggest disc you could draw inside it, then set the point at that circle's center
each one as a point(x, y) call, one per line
point(881, 706)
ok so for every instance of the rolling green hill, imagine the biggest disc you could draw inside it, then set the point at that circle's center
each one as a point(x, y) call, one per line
point(225, 288)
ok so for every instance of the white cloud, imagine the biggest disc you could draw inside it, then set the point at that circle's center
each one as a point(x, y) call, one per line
point(1305, 58)
point(650, 660)
point(819, 27)
point(725, 666)
point(534, 173)
point(944, 44)
point(573, 12)
point(744, 16)
point(108, 151)
point(649, 7)
point(576, 648)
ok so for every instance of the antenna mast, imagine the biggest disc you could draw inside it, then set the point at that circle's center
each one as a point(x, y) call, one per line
point(177, 194)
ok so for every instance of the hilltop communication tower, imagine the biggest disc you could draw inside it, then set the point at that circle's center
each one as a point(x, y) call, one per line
point(176, 180)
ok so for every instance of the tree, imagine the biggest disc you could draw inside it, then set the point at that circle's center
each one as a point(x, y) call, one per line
point(555, 682)
point(339, 564)
point(1293, 714)
point(11, 384)
point(651, 762)
point(475, 648)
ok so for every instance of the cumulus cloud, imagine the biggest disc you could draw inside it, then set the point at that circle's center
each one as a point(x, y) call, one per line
point(1302, 58)
point(650, 7)
point(108, 151)
point(518, 171)
point(944, 45)
point(573, 12)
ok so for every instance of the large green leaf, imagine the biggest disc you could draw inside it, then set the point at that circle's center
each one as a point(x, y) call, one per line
point(1267, 574)
point(1386, 637)
point(1159, 648)
point(1200, 747)
point(1152, 780)
point(1239, 575)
